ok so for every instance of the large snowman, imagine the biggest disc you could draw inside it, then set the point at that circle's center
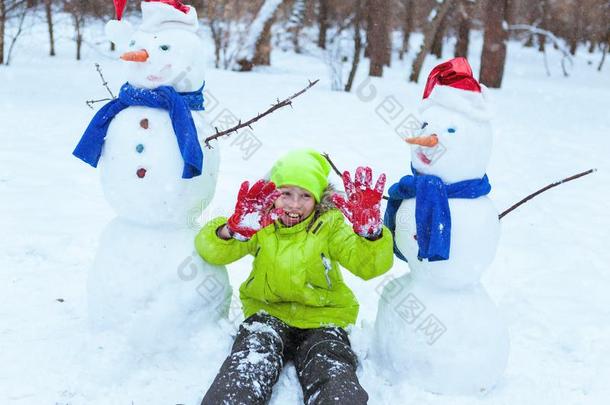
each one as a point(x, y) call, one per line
point(437, 326)
point(147, 282)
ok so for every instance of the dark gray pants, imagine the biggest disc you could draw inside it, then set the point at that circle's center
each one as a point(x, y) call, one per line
point(324, 360)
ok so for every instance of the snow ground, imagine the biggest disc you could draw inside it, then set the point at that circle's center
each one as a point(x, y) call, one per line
point(549, 278)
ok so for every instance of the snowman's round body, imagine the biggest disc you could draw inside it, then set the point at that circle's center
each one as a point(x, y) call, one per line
point(446, 341)
point(475, 231)
point(437, 326)
point(147, 282)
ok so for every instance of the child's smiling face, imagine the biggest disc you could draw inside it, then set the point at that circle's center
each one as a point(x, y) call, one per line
point(297, 204)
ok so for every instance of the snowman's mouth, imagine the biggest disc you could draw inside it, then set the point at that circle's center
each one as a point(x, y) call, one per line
point(422, 156)
point(159, 77)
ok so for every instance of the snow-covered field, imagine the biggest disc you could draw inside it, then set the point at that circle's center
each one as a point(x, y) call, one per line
point(550, 277)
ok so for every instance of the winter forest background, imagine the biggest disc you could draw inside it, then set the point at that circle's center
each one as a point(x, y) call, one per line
point(374, 29)
point(545, 62)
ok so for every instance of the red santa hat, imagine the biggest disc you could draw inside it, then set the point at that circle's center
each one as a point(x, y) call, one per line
point(452, 85)
point(158, 15)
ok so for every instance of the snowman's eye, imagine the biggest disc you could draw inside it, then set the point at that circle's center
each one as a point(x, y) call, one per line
point(132, 43)
point(424, 125)
point(451, 130)
point(164, 47)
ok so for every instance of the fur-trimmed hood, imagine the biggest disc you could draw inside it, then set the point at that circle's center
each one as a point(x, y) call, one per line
point(326, 203)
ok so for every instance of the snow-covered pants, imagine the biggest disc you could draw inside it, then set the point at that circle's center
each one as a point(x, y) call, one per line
point(324, 360)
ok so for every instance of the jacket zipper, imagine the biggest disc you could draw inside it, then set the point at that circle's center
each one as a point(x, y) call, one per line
point(327, 267)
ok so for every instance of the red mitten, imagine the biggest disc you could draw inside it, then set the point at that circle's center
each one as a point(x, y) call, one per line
point(362, 208)
point(253, 210)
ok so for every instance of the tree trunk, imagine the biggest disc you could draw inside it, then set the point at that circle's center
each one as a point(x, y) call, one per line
point(463, 32)
point(604, 52)
point(262, 54)
point(388, 30)
point(544, 13)
point(49, 14)
point(493, 56)
point(216, 37)
point(429, 33)
point(378, 35)
point(322, 23)
point(357, 46)
point(296, 23)
point(2, 28)
point(258, 46)
point(407, 26)
point(78, 22)
point(437, 44)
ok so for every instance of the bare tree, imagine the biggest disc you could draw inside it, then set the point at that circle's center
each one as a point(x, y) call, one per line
point(48, 7)
point(543, 9)
point(262, 53)
point(378, 35)
point(407, 25)
point(464, 12)
point(219, 21)
point(357, 44)
point(77, 10)
point(23, 11)
point(258, 41)
point(2, 28)
point(296, 23)
point(434, 21)
point(8, 10)
point(437, 44)
point(493, 56)
point(322, 23)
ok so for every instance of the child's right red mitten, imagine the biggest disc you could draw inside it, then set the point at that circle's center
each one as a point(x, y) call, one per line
point(253, 210)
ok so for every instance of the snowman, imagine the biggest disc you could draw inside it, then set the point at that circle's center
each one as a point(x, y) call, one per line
point(437, 326)
point(147, 282)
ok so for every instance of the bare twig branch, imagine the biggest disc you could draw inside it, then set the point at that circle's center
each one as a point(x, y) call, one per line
point(279, 104)
point(104, 82)
point(332, 164)
point(91, 102)
point(542, 190)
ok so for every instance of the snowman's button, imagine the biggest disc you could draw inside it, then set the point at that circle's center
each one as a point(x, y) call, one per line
point(144, 123)
point(415, 236)
point(141, 172)
point(140, 148)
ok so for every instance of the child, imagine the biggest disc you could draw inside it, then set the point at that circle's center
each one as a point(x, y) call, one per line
point(295, 301)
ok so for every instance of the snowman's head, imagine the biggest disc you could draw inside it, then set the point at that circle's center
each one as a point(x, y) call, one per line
point(452, 145)
point(165, 50)
point(455, 140)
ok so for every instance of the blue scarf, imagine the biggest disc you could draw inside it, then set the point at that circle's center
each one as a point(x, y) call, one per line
point(178, 105)
point(432, 214)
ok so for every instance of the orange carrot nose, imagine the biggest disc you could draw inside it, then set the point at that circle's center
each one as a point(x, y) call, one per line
point(427, 141)
point(135, 56)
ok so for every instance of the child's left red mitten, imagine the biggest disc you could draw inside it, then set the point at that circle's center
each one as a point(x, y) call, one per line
point(363, 205)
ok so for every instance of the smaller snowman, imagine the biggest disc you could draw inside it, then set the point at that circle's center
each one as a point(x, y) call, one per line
point(437, 326)
point(147, 282)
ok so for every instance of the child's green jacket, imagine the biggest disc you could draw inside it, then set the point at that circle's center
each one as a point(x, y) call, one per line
point(296, 275)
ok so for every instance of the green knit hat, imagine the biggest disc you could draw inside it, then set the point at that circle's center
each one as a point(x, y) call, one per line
point(304, 168)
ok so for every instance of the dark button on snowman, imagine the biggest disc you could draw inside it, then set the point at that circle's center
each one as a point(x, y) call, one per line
point(437, 326)
point(147, 281)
